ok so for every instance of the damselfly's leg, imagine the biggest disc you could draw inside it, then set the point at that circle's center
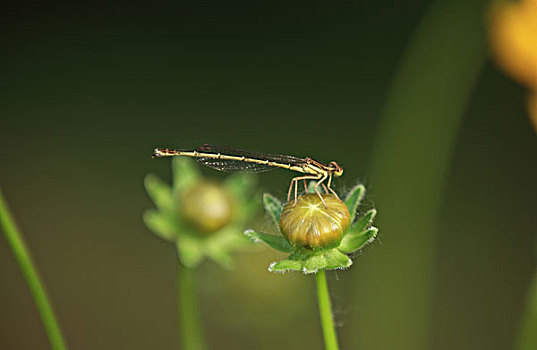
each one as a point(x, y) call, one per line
point(295, 182)
point(305, 186)
point(323, 177)
point(290, 189)
point(330, 188)
point(297, 179)
point(325, 188)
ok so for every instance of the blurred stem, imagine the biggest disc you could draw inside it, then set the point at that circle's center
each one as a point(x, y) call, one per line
point(527, 332)
point(187, 303)
point(423, 111)
point(23, 258)
point(325, 310)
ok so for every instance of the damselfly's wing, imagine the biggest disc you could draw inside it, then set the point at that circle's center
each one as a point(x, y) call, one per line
point(228, 165)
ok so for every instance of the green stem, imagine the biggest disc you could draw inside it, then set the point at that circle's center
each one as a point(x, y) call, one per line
point(423, 111)
point(187, 303)
point(23, 258)
point(527, 332)
point(325, 310)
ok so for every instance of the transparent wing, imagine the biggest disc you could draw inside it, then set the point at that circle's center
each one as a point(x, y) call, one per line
point(278, 158)
point(234, 165)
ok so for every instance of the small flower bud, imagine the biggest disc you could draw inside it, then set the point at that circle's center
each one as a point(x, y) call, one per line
point(311, 224)
point(207, 206)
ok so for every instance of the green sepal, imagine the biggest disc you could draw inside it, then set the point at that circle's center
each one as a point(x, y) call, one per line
point(353, 199)
point(274, 207)
point(286, 265)
point(311, 262)
point(185, 173)
point(314, 263)
point(160, 192)
point(160, 225)
point(192, 248)
point(355, 240)
point(189, 250)
point(276, 242)
point(222, 258)
point(329, 260)
point(240, 185)
point(364, 222)
point(336, 260)
point(219, 245)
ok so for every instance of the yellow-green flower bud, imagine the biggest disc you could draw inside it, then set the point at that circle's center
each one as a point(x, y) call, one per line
point(207, 206)
point(311, 224)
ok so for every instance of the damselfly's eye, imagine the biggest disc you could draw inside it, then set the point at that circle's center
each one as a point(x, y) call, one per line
point(338, 171)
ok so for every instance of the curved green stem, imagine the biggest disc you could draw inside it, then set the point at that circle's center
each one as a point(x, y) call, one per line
point(23, 258)
point(425, 106)
point(325, 310)
point(527, 332)
point(187, 307)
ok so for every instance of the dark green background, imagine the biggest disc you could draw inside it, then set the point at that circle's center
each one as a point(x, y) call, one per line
point(86, 92)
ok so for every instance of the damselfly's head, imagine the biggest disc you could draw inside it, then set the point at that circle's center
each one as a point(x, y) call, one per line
point(335, 168)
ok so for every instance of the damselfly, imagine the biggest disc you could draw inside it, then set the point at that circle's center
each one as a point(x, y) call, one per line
point(229, 159)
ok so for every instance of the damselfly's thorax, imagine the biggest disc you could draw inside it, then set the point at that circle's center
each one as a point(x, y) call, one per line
point(318, 167)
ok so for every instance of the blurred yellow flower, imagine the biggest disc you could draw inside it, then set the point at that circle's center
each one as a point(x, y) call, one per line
point(513, 36)
point(513, 39)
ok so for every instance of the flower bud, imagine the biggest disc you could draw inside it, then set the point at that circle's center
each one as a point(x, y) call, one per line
point(311, 224)
point(207, 206)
